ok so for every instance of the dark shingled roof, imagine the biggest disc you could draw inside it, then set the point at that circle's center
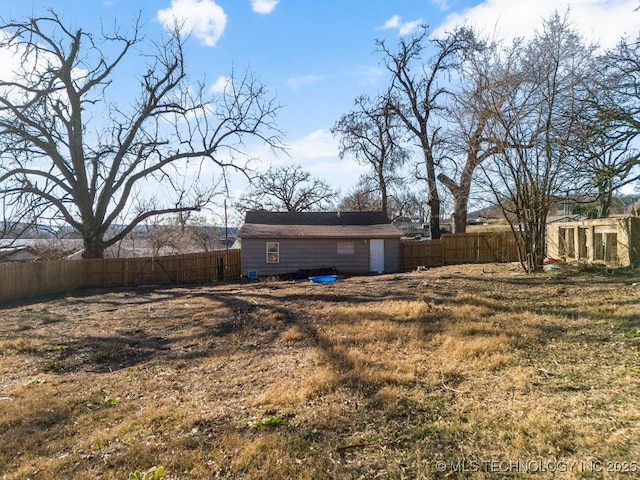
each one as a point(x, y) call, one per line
point(318, 225)
point(317, 218)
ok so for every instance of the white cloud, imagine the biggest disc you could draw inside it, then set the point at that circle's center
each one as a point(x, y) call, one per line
point(441, 4)
point(410, 27)
point(204, 19)
point(16, 64)
point(220, 84)
point(317, 153)
point(316, 145)
point(295, 83)
point(601, 21)
point(404, 28)
point(370, 76)
point(264, 7)
point(342, 174)
point(393, 22)
point(9, 60)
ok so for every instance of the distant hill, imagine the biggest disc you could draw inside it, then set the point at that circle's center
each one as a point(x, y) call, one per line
point(65, 242)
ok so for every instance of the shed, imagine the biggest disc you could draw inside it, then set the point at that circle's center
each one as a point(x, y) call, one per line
point(613, 241)
point(277, 243)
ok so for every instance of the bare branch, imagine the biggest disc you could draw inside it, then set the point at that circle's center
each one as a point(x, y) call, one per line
point(288, 189)
point(66, 141)
point(416, 95)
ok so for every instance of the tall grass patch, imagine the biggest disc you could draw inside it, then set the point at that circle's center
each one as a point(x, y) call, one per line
point(360, 336)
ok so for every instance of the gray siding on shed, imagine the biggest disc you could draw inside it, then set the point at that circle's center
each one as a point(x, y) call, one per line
point(392, 255)
point(308, 254)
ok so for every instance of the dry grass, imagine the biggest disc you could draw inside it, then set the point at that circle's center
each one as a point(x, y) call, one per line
point(372, 377)
point(497, 226)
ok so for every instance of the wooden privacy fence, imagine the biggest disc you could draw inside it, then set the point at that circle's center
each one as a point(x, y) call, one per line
point(460, 248)
point(30, 279)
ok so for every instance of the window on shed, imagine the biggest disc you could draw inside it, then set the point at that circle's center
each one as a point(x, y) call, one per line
point(583, 252)
point(346, 248)
point(566, 242)
point(605, 244)
point(273, 252)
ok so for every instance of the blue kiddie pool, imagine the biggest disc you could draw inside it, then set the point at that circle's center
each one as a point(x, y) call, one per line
point(323, 278)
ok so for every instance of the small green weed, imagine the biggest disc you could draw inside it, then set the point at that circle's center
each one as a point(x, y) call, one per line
point(154, 473)
point(109, 402)
point(268, 422)
point(58, 348)
point(632, 333)
point(105, 402)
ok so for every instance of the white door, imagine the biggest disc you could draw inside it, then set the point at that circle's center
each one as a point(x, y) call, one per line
point(376, 256)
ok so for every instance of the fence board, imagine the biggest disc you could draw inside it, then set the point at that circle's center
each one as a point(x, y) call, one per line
point(427, 253)
point(460, 248)
point(30, 279)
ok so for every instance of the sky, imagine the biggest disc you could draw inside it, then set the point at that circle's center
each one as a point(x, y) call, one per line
point(317, 56)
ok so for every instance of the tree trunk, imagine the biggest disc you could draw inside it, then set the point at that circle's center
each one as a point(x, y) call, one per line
point(460, 214)
point(605, 195)
point(434, 217)
point(533, 231)
point(460, 195)
point(434, 198)
point(93, 247)
point(384, 197)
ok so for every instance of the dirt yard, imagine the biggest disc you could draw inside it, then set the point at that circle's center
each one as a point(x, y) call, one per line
point(457, 372)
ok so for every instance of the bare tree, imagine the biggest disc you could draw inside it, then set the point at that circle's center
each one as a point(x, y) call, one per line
point(94, 160)
point(469, 139)
point(159, 235)
point(406, 203)
point(538, 104)
point(604, 163)
point(205, 236)
point(363, 197)
point(182, 234)
point(417, 94)
point(19, 216)
point(370, 132)
point(607, 155)
point(287, 188)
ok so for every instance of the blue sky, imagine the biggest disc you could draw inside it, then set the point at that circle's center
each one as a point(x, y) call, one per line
point(317, 56)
